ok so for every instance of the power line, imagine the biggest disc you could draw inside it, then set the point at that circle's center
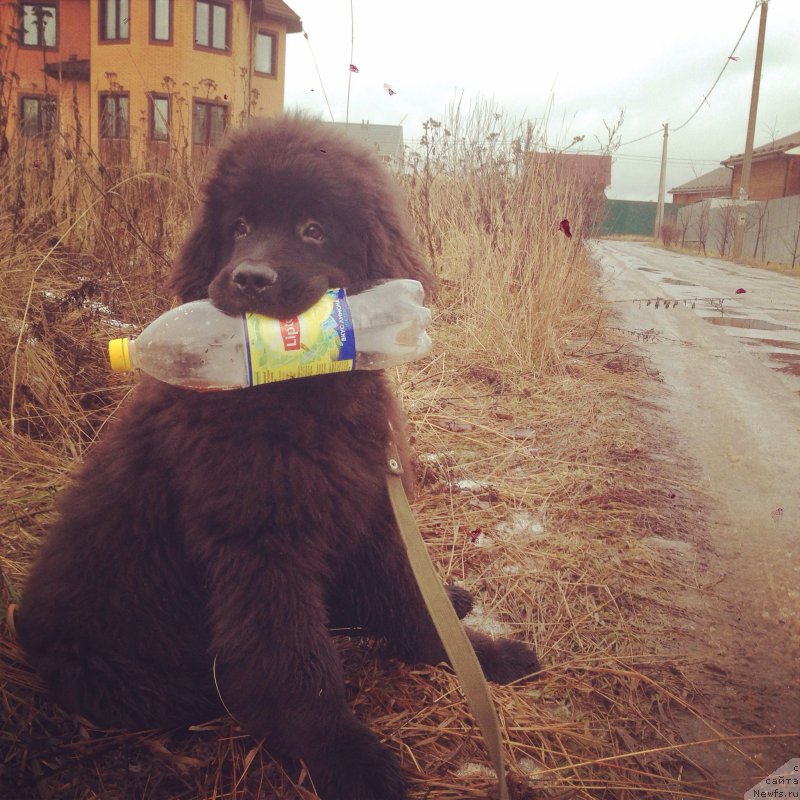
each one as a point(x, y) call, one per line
point(660, 131)
point(316, 67)
point(681, 161)
point(708, 93)
point(350, 71)
point(724, 67)
point(642, 138)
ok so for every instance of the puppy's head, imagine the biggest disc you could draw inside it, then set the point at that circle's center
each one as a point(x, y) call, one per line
point(291, 209)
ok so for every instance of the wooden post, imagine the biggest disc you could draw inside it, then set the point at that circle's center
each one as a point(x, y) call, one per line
point(744, 185)
point(662, 184)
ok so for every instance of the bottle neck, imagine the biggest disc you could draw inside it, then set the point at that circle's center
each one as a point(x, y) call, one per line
point(133, 353)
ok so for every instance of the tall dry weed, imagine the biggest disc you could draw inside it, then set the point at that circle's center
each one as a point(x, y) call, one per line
point(487, 203)
point(84, 252)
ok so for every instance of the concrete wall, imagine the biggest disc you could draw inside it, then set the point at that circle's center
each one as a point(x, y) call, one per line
point(772, 228)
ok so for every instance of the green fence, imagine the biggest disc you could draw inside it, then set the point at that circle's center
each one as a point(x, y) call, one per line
point(632, 217)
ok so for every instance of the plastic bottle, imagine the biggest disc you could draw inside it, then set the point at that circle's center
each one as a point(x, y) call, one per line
point(197, 346)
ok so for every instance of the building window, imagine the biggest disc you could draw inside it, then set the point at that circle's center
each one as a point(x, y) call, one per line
point(265, 53)
point(39, 25)
point(209, 121)
point(161, 20)
point(211, 24)
point(114, 116)
point(114, 20)
point(159, 118)
point(37, 115)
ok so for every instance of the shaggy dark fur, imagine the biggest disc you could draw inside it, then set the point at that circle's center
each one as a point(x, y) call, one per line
point(239, 525)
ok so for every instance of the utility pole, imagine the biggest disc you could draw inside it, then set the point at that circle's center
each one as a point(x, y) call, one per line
point(744, 184)
point(662, 185)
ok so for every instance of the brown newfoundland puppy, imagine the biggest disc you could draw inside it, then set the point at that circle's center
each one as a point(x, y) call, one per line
point(220, 534)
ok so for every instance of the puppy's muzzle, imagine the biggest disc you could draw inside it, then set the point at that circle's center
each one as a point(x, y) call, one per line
point(253, 279)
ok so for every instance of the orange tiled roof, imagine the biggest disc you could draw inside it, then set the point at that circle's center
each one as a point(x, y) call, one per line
point(765, 150)
point(718, 179)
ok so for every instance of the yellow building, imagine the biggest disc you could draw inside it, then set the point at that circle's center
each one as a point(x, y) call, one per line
point(140, 78)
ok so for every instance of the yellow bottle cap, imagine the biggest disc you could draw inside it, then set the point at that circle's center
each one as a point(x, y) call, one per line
point(119, 355)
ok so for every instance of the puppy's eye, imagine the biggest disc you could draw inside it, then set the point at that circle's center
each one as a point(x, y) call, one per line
point(313, 231)
point(240, 228)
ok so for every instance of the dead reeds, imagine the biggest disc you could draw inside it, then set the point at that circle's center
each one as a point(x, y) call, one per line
point(542, 481)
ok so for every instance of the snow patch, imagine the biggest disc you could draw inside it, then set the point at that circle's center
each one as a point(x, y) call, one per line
point(521, 525)
point(485, 622)
point(474, 770)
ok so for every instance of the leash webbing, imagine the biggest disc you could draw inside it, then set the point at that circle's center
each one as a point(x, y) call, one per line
point(456, 644)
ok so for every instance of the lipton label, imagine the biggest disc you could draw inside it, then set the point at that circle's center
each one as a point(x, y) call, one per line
point(317, 342)
point(290, 333)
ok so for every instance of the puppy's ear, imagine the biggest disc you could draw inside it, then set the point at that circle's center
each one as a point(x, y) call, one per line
point(393, 252)
point(199, 259)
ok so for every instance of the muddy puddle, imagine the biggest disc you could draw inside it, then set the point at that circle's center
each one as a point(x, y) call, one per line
point(676, 282)
point(783, 354)
point(778, 343)
point(790, 362)
point(747, 322)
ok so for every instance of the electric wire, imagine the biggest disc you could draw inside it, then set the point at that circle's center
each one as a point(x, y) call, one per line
point(350, 68)
point(416, 143)
point(319, 76)
point(724, 67)
point(682, 161)
point(708, 93)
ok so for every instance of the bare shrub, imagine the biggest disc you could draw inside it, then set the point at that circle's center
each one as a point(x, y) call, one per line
point(670, 233)
point(727, 224)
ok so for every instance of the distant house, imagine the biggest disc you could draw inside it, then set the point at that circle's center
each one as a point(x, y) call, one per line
point(140, 78)
point(591, 173)
point(716, 183)
point(587, 174)
point(774, 172)
point(385, 140)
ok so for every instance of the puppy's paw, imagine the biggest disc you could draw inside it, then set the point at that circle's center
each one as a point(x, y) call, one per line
point(512, 660)
point(373, 779)
point(461, 600)
point(359, 767)
point(504, 660)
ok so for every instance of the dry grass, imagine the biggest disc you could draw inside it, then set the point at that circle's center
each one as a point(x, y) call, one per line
point(542, 479)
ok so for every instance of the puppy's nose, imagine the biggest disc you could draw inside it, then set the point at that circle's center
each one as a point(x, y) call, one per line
point(253, 279)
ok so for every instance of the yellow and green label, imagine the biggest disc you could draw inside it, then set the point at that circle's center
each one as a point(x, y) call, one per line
point(318, 341)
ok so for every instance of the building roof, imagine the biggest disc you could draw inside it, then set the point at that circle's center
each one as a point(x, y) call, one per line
point(776, 147)
point(279, 9)
point(718, 179)
point(386, 140)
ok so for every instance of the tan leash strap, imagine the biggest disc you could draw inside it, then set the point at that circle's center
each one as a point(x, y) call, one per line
point(448, 625)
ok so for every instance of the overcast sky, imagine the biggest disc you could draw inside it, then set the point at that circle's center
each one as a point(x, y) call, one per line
point(573, 63)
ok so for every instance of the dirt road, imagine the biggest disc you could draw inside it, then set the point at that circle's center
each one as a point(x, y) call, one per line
point(731, 364)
